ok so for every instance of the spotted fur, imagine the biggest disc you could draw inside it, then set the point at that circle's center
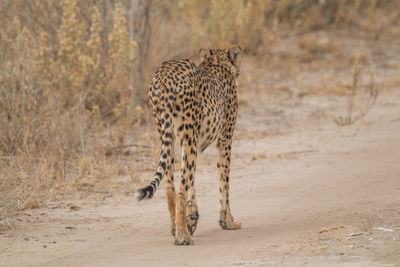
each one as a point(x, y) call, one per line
point(195, 105)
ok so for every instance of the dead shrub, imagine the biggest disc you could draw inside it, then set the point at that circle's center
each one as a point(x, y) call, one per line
point(55, 99)
point(354, 92)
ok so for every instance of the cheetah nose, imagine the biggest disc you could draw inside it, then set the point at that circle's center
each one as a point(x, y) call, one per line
point(189, 203)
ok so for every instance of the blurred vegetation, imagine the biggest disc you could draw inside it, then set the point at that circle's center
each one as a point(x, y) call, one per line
point(70, 70)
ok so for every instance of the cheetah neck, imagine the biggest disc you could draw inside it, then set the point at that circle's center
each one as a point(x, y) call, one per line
point(218, 71)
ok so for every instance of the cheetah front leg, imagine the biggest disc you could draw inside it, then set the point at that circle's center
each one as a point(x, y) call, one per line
point(224, 158)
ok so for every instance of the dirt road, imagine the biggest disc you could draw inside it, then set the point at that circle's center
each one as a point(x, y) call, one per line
point(306, 191)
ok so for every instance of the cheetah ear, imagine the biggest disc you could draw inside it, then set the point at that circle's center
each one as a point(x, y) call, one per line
point(234, 51)
point(205, 53)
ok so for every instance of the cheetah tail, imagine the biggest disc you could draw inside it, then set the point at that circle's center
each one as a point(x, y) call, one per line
point(148, 191)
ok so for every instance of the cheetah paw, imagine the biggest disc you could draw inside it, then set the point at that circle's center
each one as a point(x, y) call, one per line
point(183, 238)
point(230, 225)
point(227, 222)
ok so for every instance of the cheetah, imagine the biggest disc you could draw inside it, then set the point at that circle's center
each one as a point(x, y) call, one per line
point(197, 105)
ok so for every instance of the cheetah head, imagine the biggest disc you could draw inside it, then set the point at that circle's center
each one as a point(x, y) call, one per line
point(227, 56)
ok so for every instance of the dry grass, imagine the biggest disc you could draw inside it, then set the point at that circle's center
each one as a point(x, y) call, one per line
point(319, 45)
point(56, 100)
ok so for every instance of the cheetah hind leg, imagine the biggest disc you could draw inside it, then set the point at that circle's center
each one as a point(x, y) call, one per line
point(182, 236)
point(171, 197)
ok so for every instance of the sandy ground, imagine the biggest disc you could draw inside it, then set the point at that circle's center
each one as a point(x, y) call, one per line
point(306, 191)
